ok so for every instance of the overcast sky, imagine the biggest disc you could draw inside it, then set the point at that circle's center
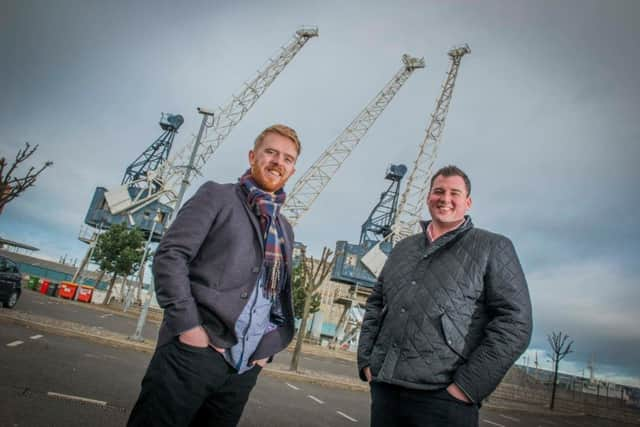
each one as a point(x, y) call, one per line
point(544, 119)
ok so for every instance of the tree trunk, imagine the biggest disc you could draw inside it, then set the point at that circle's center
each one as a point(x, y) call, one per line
point(125, 288)
point(99, 279)
point(553, 388)
point(295, 359)
point(113, 281)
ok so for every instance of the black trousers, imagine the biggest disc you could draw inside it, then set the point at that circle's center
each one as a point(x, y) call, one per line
point(392, 405)
point(190, 386)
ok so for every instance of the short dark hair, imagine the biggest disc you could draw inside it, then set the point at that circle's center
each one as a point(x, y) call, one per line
point(452, 170)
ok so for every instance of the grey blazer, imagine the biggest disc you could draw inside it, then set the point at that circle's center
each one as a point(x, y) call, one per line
point(207, 265)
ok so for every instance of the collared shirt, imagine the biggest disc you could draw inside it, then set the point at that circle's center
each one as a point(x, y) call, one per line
point(252, 324)
point(429, 229)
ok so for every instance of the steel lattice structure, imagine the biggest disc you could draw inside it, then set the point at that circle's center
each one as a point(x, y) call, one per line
point(228, 116)
point(412, 201)
point(157, 152)
point(316, 178)
point(378, 224)
point(413, 198)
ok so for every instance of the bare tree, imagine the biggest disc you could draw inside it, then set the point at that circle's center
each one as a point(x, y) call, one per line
point(311, 275)
point(560, 348)
point(12, 186)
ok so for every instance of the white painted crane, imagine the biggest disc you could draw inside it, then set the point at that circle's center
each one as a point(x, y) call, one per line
point(315, 179)
point(172, 178)
point(412, 201)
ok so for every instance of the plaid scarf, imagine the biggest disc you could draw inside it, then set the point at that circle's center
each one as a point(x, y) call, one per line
point(266, 206)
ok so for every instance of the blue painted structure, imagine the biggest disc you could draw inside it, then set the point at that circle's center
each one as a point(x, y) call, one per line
point(99, 215)
point(348, 267)
point(157, 152)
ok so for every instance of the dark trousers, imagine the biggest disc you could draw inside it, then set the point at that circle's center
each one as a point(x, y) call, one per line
point(402, 407)
point(191, 386)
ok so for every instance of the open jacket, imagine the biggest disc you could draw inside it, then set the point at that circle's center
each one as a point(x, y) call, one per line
point(455, 310)
point(207, 266)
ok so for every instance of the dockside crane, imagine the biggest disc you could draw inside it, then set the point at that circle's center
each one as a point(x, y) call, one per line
point(348, 268)
point(217, 125)
point(412, 201)
point(315, 179)
point(154, 184)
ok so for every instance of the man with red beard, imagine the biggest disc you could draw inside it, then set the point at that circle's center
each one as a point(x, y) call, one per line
point(223, 277)
point(449, 315)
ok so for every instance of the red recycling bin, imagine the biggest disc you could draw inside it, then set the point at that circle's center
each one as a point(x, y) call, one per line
point(85, 293)
point(44, 285)
point(67, 290)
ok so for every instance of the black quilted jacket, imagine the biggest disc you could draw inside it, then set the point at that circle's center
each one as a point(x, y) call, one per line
point(456, 310)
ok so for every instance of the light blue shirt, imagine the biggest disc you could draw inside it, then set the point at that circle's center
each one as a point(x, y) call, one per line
point(250, 327)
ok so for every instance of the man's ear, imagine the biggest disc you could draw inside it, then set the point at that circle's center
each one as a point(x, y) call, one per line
point(469, 202)
point(252, 157)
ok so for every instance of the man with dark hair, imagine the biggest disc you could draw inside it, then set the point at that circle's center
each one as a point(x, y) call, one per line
point(449, 315)
point(223, 276)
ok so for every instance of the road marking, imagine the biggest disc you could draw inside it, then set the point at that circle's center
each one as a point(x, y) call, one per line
point(36, 337)
point(78, 398)
point(510, 418)
point(106, 315)
point(347, 417)
point(492, 423)
point(315, 399)
point(100, 356)
point(15, 343)
point(292, 386)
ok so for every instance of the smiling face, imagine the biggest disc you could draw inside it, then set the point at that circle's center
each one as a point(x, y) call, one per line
point(448, 201)
point(273, 161)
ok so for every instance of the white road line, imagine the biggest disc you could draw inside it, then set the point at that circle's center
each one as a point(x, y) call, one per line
point(292, 386)
point(315, 399)
point(78, 398)
point(353, 420)
point(15, 343)
point(36, 337)
point(99, 356)
point(510, 418)
point(492, 423)
point(106, 315)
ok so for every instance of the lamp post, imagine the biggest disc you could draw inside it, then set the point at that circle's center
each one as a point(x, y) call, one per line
point(137, 335)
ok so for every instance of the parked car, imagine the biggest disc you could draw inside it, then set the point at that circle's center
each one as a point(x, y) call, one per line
point(10, 282)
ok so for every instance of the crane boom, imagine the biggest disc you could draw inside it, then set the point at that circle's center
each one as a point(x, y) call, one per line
point(412, 201)
point(229, 115)
point(316, 178)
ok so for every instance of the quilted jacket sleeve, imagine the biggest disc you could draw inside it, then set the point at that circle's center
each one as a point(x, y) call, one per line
point(508, 332)
point(178, 247)
point(371, 324)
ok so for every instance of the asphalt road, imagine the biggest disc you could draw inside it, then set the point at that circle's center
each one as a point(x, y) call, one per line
point(87, 314)
point(56, 308)
point(42, 376)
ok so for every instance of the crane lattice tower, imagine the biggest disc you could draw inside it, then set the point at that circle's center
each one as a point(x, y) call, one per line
point(156, 153)
point(412, 201)
point(229, 115)
point(413, 197)
point(315, 179)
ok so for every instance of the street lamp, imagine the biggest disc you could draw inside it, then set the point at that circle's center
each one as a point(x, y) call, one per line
point(137, 335)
